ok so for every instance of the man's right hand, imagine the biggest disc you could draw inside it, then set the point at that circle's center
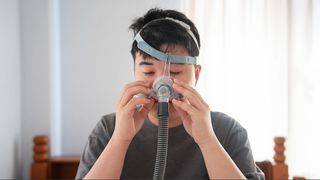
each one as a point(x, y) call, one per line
point(128, 120)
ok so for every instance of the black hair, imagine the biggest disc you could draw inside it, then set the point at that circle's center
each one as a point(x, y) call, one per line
point(164, 31)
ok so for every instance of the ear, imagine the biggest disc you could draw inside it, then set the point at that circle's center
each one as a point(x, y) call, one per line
point(197, 72)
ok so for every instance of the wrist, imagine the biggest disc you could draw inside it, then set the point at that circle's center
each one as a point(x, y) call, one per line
point(210, 142)
point(120, 142)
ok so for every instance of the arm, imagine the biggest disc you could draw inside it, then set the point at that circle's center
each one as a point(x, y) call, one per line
point(110, 162)
point(213, 152)
point(196, 118)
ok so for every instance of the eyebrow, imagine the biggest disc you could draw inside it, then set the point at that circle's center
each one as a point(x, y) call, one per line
point(148, 62)
point(145, 63)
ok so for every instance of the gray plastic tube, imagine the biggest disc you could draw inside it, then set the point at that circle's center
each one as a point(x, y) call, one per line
point(162, 145)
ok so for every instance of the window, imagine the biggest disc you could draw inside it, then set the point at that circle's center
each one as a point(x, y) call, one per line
point(261, 65)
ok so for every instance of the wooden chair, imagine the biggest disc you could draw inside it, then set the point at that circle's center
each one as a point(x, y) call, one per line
point(46, 167)
point(63, 167)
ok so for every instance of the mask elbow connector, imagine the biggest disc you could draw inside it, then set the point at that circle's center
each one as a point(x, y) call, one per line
point(164, 93)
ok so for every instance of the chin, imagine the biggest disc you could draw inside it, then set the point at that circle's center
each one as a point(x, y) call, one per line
point(155, 108)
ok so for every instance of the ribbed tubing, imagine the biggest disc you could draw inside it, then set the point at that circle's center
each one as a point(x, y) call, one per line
point(162, 146)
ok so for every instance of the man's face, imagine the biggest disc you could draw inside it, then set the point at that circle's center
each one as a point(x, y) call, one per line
point(150, 69)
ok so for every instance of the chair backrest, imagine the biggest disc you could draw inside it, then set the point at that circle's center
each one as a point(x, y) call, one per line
point(266, 168)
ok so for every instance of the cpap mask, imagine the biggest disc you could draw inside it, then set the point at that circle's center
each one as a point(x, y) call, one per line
point(162, 90)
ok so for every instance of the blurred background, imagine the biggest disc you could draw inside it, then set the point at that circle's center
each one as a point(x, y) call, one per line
point(63, 64)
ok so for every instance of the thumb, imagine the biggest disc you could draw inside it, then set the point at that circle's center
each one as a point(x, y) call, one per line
point(145, 110)
point(181, 112)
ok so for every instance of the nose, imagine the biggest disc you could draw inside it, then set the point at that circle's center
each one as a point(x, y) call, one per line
point(162, 75)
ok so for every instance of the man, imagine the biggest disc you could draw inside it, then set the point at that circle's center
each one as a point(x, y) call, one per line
point(202, 144)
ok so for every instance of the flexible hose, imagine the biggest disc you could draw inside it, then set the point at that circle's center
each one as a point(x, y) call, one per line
point(162, 146)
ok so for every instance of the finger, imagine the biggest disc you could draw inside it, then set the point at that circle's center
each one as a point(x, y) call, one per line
point(185, 117)
point(130, 92)
point(149, 106)
point(181, 113)
point(134, 102)
point(146, 109)
point(188, 108)
point(187, 86)
point(187, 122)
point(133, 84)
point(190, 95)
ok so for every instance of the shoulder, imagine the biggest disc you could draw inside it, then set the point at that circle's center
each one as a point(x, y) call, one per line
point(96, 142)
point(234, 138)
point(104, 128)
point(226, 128)
point(223, 121)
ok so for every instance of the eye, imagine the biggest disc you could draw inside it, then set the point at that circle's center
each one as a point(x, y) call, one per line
point(175, 73)
point(148, 73)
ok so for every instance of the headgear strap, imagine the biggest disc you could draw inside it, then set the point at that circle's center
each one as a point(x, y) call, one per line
point(145, 47)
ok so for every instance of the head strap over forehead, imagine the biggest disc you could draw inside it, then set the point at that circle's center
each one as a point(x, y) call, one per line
point(145, 47)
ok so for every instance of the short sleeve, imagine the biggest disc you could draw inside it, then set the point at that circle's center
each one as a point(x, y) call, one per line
point(97, 141)
point(234, 139)
point(240, 152)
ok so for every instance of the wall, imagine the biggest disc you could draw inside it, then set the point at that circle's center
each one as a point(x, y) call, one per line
point(35, 80)
point(75, 61)
point(9, 89)
point(95, 62)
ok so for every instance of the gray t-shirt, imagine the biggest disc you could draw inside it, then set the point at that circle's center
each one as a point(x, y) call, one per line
point(184, 160)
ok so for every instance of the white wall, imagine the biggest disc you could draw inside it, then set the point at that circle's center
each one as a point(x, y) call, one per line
point(89, 43)
point(95, 61)
point(35, 79)
point(9, 89)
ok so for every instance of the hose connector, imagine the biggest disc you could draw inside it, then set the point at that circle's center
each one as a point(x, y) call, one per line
point(164, 93)
point(163, 87)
